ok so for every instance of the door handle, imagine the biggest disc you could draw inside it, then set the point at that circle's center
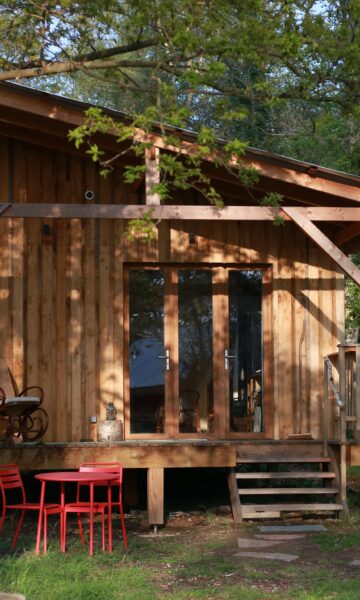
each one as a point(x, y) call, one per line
point(166, 357)
point(226, 358)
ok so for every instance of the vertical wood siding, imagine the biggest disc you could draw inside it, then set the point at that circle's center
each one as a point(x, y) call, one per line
point(61, 294)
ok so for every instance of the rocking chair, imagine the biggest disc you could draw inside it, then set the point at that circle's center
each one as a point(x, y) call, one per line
point(20, 413)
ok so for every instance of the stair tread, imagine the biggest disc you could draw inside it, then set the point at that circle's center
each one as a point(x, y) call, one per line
point(283, 459)
point(290, 506)
point(287, 475)
point(289, 490)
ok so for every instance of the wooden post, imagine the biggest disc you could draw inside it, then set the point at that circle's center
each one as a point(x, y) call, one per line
point(326, 410)
point(342, 391)
point(356, 391)
point(343, 411)
point(343, 476)
point(155, 495)
point(152, 177)
point(234, 497)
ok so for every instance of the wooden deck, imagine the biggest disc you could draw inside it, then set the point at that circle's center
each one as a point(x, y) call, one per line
point(167, 454)
point(133, 455)
point(155, 456)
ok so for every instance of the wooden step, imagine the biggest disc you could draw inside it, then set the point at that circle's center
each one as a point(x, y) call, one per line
point(289, 507)
point(283, 490)
point(287, 475)
point(303, 464)
point(283, 459)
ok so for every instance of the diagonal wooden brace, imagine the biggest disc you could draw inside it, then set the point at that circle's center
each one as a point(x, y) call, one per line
point(324, 243)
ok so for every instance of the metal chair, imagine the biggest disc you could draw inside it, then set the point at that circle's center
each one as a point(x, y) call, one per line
point(10, 479)
point(20, 413)
point(99, 507)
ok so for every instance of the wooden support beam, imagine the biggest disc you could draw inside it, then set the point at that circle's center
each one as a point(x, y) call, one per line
point(268, 167)
point(338, 214)
point(347, 233)
point(142, 455)
point(324, 243)
point(5, 184)
point(155, 496)
point(152, 175)
point(234, 496)
point(174, 212)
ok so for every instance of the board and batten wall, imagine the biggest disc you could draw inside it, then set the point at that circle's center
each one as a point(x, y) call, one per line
point(61, 293)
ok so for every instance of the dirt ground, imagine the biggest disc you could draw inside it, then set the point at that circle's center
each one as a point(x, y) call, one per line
point(197, 555)
point(214, 537)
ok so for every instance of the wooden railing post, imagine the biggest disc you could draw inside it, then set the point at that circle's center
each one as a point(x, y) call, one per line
point(343, 412)
point(326, 409)
point(357, 391)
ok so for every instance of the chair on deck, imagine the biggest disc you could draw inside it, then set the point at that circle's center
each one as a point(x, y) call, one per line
point(80, 507)
point(10, 479)
point(20, 412)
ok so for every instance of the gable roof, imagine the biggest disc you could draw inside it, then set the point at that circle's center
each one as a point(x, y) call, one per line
point(54, 115)
point(45, 119)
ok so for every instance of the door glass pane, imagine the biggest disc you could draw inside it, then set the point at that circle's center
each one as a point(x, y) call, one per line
point(195, 351)
point(245, 350)
point(147, 391)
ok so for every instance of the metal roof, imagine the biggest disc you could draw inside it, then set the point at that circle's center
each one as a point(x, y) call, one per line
point(255, 153)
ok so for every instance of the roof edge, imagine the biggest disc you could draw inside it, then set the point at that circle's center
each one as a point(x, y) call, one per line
point(293, 164)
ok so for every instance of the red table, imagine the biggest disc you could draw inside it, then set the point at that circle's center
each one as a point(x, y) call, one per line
point(85, 477)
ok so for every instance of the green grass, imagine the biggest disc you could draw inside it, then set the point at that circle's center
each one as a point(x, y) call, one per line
point(330, 589)
point(197, 562)
point(75, 576)
point(336, 542)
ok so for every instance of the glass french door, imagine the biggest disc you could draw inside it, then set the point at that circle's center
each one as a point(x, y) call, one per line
point(195, 352)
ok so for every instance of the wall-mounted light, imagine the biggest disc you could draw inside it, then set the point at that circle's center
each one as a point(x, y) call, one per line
point(89, 195)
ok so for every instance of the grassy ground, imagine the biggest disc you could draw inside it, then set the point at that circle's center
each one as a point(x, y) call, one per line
point(194, 557)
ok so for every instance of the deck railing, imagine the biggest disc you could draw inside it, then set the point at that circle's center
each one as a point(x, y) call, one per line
point(341, 410)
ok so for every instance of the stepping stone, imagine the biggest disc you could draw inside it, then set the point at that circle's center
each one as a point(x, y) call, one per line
point(290, 528)
point(246, 543)
point(279, 537)
point(268, 556)
point(11, 596)
point(355, 563)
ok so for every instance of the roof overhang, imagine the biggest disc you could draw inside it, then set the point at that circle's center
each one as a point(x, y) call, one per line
point(24, 110)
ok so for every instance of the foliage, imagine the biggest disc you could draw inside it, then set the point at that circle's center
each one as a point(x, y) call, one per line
point(142, 228)
point(178, 170)
point(352, 309)
point(227, 69)
point(185, 49)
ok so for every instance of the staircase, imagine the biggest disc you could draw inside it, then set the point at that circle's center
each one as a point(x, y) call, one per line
point(272, 479)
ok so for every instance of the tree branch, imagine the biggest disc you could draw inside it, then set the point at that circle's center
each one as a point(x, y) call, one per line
point(108, 52)
point(71, 66)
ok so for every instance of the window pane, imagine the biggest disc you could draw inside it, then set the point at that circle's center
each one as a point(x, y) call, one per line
point(195, 351)
point(245, 346)
point(147, 392)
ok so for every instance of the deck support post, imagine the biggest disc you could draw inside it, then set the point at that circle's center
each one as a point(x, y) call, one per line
point(234, 497)
point(155, 496)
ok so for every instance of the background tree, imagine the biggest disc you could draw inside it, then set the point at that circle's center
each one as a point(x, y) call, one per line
point(280, 75)
point(232, 68)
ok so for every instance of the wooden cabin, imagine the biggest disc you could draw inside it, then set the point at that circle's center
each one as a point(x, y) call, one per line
point(210, 341)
